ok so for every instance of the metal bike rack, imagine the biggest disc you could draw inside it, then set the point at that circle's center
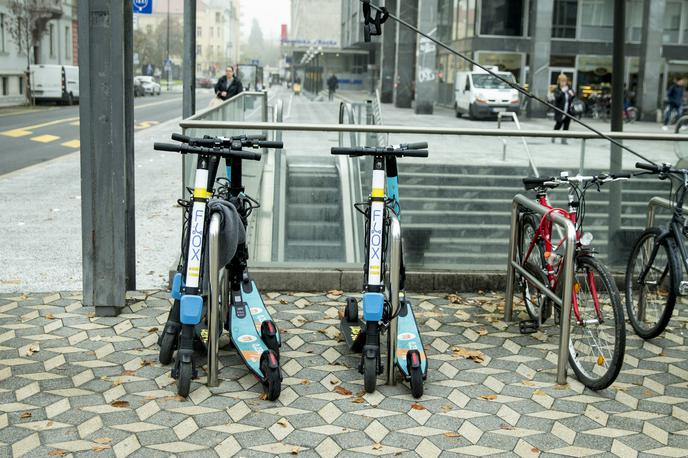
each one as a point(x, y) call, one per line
point(652, 206)
point(513, 266)
point(395, 280)
point(214, 296)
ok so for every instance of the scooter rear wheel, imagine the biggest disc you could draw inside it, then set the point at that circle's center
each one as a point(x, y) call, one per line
point(270, 337)
point(369, 374)
point(167, 347)
point(416, 382)
point(272, 386)
point(351, 310)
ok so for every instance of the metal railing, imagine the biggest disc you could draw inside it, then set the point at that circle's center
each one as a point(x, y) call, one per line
point(514, 266)
point(652, 206)
point(279, 191)
point(514, 117)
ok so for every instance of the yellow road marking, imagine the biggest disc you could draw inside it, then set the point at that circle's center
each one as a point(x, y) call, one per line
point(72, 144)
point(16, 133)
point(145, 124)
point(45, 138)
point(75, 123)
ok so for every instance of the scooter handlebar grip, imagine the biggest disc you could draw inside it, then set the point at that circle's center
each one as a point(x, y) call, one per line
point(181, 138)
point(166, 147)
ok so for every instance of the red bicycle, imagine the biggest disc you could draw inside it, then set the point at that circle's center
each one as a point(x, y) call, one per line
point(598, 336)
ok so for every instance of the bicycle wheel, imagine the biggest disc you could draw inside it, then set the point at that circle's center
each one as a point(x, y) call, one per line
point(532, 298)
point(650, 304)
point(597, 343)
point(682, 125)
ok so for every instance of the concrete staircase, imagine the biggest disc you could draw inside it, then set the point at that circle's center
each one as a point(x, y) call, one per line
point(457, 217)
point(313, 210)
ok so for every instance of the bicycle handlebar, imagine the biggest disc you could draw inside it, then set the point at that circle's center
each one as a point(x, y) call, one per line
point(400, 151)
point(649, 167)
point(223, 152)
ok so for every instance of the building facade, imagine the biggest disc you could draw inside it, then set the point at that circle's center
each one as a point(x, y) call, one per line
point(58, 45)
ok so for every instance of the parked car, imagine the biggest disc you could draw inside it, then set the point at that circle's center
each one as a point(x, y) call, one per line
point(204, 82)
point(139, 91)
point(149, 85)
point(55, 83)
point(481, 95)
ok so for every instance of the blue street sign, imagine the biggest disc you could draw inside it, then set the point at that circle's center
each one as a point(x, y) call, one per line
point(143, 6)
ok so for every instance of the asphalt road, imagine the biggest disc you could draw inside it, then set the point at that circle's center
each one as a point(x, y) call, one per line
point(30, 136)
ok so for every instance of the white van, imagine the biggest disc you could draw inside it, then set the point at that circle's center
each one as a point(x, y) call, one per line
point(55, 83)
point(481, 95)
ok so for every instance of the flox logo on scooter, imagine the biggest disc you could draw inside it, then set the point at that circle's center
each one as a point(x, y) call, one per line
point(363, 336)
point(252, 330)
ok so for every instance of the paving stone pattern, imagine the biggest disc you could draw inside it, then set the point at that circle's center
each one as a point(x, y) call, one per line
point(72, 384)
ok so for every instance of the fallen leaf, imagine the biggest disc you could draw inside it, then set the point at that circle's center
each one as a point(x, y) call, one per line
point(150, 397)
point(334, 381)
point(263, 396)
point(174, 398)
point(335, 292)
point(454, 298)
point(100, 448)
point(358, 400)
point(102, 440)
point(343, 391)
point(295, 451)
point(453, 435)
point(50, 423)
point(23, 296)
point(535, 450)
point(305, 382)
point(475, 355)
point(57, 452)
point(506, 427)
point(527, 383)
point(416, 406)
point(361, 393)
point(283, 423)
point(340, 314)
point(32, 348)
point(565, 386)
point(147, 362)
point(282, 301)
point(489, 397)
point(377, 447)
point(91, 315)
point(26, 415)
point(128, 373)
point(120, 403)
point(50, 316)
point(539, 393)
point(482, 332)
point(152, 330)
point(446, 408)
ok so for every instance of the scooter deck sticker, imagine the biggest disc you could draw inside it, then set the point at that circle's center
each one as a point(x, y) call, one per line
point(408, 338)
point(251, 297)
point(245, 337)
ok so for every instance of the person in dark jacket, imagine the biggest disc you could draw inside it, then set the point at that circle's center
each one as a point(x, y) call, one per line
point(674, 100)
point(228, 85)
point(332, 86)
point(563, 99)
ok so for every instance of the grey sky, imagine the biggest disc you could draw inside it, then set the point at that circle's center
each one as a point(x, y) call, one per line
point(270, 14)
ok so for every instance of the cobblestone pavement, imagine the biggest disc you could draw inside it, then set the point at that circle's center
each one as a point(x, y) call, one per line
point(75, 384)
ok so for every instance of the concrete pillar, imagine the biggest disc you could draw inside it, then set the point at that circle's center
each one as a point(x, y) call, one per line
point(649, 77)
point(389, 51)
point(107, 153)
point(426, 74)
point(540, 46)
point(405, 64)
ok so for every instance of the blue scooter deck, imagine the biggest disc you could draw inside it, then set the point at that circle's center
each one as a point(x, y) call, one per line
point(408, 338)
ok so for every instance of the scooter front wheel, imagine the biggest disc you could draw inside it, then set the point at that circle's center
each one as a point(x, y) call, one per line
point(369, 374)
point(268, 333)
point(416, 382)
point(184, 379)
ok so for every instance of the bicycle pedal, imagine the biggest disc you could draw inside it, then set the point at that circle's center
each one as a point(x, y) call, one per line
point(683, 288)
point(528, 326)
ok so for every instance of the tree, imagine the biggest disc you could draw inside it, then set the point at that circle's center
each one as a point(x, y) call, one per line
point(268, 53)
point(152, 47)
point(30, 24)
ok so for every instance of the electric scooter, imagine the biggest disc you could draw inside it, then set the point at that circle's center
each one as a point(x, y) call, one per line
point(244, 315)
point(363, 335)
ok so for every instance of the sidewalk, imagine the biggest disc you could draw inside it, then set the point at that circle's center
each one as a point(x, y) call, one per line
point(77, 385)
point(488, 150)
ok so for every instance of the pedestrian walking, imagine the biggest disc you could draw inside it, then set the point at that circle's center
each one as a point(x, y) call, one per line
point(674, 100)
point(563, 99)
point(332, 86)
point(228, 85)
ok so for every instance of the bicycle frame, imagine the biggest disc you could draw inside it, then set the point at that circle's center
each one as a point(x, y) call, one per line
point(544, 233)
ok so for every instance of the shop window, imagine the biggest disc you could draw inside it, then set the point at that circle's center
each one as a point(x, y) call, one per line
point(672, 22)
point(564, 19)
point(501, 17)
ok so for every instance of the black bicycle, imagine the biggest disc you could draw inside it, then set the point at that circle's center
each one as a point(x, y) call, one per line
point(653, 274)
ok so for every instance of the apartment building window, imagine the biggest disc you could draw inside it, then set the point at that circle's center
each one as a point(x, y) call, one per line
point(501, 17)
point(199, 32)
point(5, 89)
point(2, 32)
point(444, 26)
point(564, 20)
point(21, 85)
point(68, 43)
point(51, 38)
point(218, 18)
point(634, 20)
point(596, 18)
point(672, 22)
point(199, 50)
point(212, 31)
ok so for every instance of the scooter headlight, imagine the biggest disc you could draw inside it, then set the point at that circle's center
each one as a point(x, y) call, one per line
point(586, 239)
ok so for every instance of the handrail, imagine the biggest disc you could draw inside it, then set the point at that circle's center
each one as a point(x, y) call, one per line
point(346, 116)
point(304, 127)
point(279, 192)
point(514, 118)
point(395, 282)
point(513, 266)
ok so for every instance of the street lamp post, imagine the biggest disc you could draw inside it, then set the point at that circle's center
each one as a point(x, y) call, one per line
point(168, 65)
